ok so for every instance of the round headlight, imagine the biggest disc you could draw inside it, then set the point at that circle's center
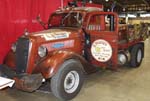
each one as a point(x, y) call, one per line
point(13, 47)
point(42, 51)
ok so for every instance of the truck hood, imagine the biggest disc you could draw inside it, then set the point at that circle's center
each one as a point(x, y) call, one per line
point(55, 34)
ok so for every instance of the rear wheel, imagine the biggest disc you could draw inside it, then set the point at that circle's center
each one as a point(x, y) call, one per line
point(137, 53)
point(67, 82)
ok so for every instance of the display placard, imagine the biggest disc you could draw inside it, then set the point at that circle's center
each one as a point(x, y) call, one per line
point(101, 50)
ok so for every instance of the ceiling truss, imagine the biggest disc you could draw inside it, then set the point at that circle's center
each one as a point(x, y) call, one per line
point(124, 5)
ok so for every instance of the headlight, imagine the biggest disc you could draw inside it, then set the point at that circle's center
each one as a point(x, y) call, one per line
point(13, 47)
point(42, 51)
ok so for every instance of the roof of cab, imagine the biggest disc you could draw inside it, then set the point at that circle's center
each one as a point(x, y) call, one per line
point(84, 9)
point(88, 9)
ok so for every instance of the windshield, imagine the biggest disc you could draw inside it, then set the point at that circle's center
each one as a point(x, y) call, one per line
point(70, 19)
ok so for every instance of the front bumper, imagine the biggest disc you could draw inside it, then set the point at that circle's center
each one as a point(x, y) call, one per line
point(23, 81)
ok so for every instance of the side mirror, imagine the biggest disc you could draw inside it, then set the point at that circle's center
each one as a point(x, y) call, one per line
point(38, 18)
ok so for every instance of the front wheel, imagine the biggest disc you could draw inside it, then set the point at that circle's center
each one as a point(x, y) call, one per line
point(67, 82)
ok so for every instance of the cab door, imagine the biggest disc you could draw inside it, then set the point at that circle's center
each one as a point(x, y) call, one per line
point(102, 29)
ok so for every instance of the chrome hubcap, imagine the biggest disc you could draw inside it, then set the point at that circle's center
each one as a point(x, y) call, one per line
point(139, 55)
point(71, 82)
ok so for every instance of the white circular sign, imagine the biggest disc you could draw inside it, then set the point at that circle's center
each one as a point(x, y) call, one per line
point(101, 50)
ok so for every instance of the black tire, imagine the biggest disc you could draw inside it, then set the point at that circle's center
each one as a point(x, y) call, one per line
point(136, 59)
point(62, 76)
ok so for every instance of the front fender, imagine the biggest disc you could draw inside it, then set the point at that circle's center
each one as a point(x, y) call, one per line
point(50, 65)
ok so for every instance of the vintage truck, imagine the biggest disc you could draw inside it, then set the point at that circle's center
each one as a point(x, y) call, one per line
point(76, 41)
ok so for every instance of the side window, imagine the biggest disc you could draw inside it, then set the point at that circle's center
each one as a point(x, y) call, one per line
point(101, 22)
point(95, 23)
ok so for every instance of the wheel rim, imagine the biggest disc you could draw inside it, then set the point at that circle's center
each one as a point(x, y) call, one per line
point(139, 55)
point(71, 82)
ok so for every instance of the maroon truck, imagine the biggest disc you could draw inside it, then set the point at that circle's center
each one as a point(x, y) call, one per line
point(76, 41)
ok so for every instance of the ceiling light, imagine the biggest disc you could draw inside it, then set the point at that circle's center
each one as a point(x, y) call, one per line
point(90, 1)
point(140, 9)
point(124, 9)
